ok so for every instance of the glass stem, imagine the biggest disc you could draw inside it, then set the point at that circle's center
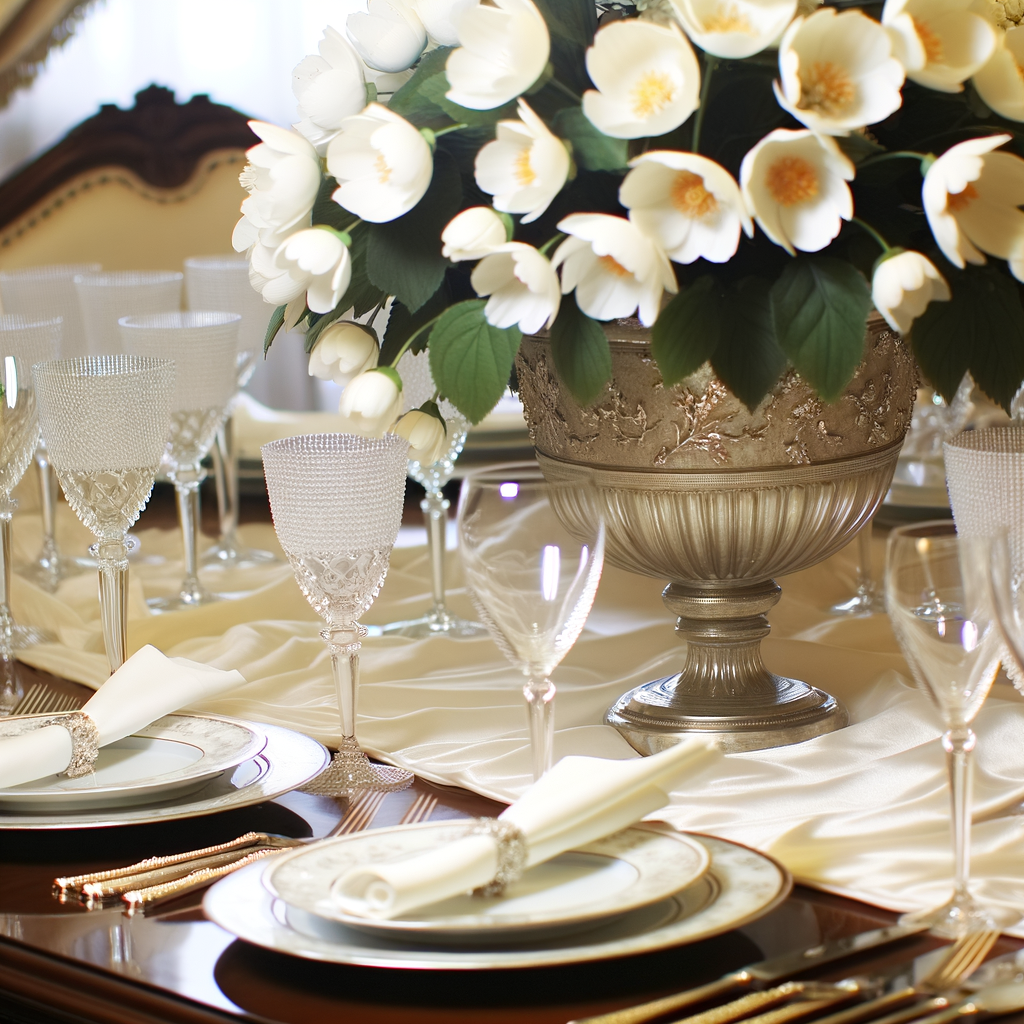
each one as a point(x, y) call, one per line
point(225, 467)
point(959, 745)
point(6, 619)
point(540, 706)
point(435, 514)
point(865, 574)
point(186, 490)
point(344, 644)
point(48, 508)
point(113, 575)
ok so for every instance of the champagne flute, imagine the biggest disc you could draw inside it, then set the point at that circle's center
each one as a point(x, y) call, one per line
point(532, 579)
point(940, 600)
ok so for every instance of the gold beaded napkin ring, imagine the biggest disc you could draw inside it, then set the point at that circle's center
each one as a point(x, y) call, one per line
point(512, 851)
point(85, 738)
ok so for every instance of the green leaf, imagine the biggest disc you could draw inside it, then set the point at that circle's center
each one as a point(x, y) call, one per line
point(403, 256)
point(980, 329)
point(820, 305)
point(580, 350)
point(688, 330)
point(470, 360)
point(402, 323)
point(276, 320)
point(434, 90)
point(748, 357)
point(326, 210)
point(592, 149)
point(412, 102)
point(571, 24)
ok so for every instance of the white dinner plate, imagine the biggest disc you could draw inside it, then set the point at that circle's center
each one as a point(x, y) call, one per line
point(740, 886)
point(288, 760)
point(571, 892)
point(176, 755)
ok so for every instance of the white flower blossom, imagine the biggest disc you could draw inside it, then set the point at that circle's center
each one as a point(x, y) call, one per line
point(1000, 82)
point(503, 49)
point(440, 18)
point(342, 352)
point(794, 183)
point(735, 28)
point(382, 163)
point(426, 434)
point(902, 287)
point(371, 402)
point(389, 36)
point(329, 88)
point(647, 78)
point(319, 264)
point(472, 234)
point(613, 266)
point(689, 204)
point(525, 167)
point(522, 285)
point(837, 72)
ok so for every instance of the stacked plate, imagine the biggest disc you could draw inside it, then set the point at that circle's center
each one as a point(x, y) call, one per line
point(180, 766)
point(642, 889)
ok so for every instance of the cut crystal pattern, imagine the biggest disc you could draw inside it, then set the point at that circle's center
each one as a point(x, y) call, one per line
point(108, 502)
point(340, 587)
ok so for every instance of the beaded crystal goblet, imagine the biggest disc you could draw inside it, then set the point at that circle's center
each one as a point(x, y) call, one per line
point(337, 503)
point(44, 293)
point(222, 282)
point(105, 420)
point(203, 347)
point(105, 298)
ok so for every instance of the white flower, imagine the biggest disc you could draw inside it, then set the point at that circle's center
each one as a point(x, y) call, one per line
point(440, 18)
point(689, 204)
point(902, 287)
point(502, 51)
point(389, 36)
point(735, 28)
point(275, 284)
point(319, 262)
point(1000, 83)
point(794, 183)
point(941, 43)
point(647, 78)
point(525, 167)
point(614, 267)
point(282, 178)
point(971, 197)
point(372, 402)
point(472, 234)
point(426, 434)
point(838, 72)
point(329, 88)
point(382, 163)
point(342, 352)
point(522, 285)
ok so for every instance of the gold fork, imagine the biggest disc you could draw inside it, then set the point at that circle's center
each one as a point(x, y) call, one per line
point(420, 809)
point(41, 700)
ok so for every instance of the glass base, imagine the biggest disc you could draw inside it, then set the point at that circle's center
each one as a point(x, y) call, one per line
point(351, 771)
point(961, 917)
point(229, 555)
point(434, 623)
point(196, 598)
point(29, 636)
point(864, 602)
point(48, 573)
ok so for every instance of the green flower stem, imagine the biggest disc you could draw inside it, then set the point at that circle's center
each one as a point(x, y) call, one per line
point(924, 159)
point(412, 337)
point(886, 247)
point(710, 63)
point(450, 128)
point(348, 228)
point(552, 241)
point(565, 90)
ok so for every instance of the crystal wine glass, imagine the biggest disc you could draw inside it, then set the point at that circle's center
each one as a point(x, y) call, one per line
point(44, 293)
point(939, 598)
point(532, 580)
point(866, 599)
point(104, 298)
point(105, 420)
point(203, 347)
point(222, 282)
point(417, 388)
point(337, 503)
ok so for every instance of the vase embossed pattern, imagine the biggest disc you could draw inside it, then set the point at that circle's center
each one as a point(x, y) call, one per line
point(697, 489)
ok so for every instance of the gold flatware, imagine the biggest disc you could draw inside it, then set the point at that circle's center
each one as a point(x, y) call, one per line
point(995, 999)
point(41, 700)
point(420, 809)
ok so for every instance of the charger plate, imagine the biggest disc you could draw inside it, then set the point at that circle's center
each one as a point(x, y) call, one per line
point(288, 760)
point(570, 893)
point(174, 756)
point(739, 886)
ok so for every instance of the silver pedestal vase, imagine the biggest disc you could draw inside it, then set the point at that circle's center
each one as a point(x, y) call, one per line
point(697, 489)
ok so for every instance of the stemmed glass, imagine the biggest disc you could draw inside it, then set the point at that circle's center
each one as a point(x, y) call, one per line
point(866, 599)
point(203, 347)
point(222, 282)
point(104, 298)
point(417, 388)
point(40, 293)
point(939, 596)
point(105, 420)
point(337, 503)
point(532, 578)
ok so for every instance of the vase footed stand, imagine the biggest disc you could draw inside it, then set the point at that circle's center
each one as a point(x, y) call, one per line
point(724, 690)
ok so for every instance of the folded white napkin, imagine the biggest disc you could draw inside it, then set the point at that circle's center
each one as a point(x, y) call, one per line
point(581, 799)
point(146, 687)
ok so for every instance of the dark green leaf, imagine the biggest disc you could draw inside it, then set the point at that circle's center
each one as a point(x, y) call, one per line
point(412, 102)
point(579, 348)
point(402, 323)
point(470, 360)
point(403, 257)
point(980, 329)
point(820, 305)
point(748, 357)
point(434, 89)
point(592, 149)
point(859, 147)
point(362, 294)
point(572, 24)
point(326, 210)
point(688, 330)
point(276, 320)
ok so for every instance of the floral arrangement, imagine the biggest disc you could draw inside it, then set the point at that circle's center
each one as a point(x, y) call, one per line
point(748, 177)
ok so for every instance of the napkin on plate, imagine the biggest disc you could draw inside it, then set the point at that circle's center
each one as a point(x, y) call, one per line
point(146, 687)
point(581, 799)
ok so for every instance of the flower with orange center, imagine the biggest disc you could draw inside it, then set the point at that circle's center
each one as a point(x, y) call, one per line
point(688, 204)
point(971, 196)
point(525, 167)
point(647, 79)
point(837, 72)
point(734, 28)
point(613, 266)
point(794, 183)
point(1000, 82)
point(941, 43)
